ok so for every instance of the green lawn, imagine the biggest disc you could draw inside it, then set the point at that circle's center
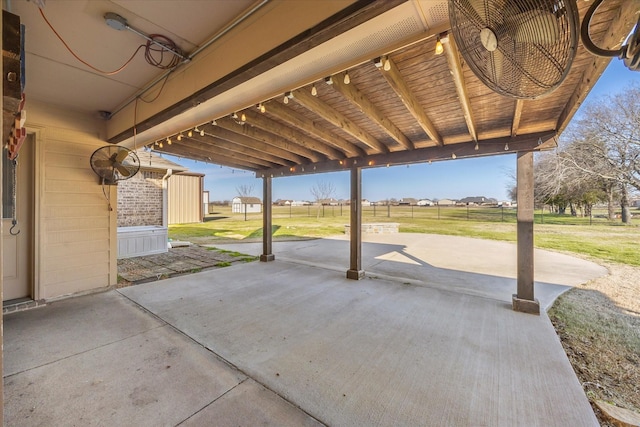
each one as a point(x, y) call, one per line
point(609, 241)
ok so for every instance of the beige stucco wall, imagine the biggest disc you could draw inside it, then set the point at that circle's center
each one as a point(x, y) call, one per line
point(75, 247)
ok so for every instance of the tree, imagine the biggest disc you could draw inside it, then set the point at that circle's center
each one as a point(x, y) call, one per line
point(321, 191)
point(244, 190)
point(604, 145)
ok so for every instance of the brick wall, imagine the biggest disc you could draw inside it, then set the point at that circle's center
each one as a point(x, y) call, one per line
point(140, 199)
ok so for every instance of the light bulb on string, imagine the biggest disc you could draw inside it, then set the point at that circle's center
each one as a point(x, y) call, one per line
point(314, 90)
point(506, 146)
point(190, 133)
point(347, 79)
point(477, 147)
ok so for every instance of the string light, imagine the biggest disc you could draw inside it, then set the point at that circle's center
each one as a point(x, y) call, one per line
point(243, 117)
point(387, 64)
point(168, 140)
point(347, 79)
point(179, 137)
point(287, 97)
point(453, 155)
point(202, 132)
point(328, 80)
point(160, 144)
point(439, 47)
point(262, 108)
point(314, 90)
point(214, 123)
point(477, 147)
point(506, 146)
point(190, 133)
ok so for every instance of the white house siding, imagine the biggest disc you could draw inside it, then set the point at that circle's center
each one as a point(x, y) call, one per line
point(76, 231)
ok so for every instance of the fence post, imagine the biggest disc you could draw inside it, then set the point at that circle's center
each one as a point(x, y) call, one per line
point(467, 211)
point(502, 213)
point(374, 210)
point(411, 211)
point(289, 210)
point(438, 210)
point(389, 210)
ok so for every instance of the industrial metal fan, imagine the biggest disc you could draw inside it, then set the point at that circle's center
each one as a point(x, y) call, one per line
point(520, 49)
point(113, 163)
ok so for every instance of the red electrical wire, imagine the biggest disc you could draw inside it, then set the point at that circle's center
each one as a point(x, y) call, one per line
point(108, 73)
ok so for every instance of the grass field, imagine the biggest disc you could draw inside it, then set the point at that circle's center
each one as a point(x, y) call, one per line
point(593, 237)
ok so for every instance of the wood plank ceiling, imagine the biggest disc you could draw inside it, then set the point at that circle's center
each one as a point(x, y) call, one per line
point(404, 107)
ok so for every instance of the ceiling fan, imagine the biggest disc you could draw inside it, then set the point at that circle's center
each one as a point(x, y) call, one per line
point(520, 49)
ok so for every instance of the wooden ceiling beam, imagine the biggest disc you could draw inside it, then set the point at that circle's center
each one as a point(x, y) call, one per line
point(369, 109)
point(337, 119)
point(253, 144)
point(398, 84)
point(307, 125)
point(212, 151)
point(209, 141)
point(620, 27)
point(257, 119)
point(269, 138)
point(455, 66)
point(176, 149)
point(517, 113)
point(490, 147)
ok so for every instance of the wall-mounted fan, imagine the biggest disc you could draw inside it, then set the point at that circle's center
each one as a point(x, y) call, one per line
point(113, 163)
point(520, 49)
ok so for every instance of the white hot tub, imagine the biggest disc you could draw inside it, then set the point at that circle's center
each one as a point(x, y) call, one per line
point(142, 240)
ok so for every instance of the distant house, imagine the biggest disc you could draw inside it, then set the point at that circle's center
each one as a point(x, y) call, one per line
point(246, 205)
point(329, 202)
point(365, 202)
point(300, 203)
point(478, 200)
point(408, 201)
point(425, 202)
point(446, 202)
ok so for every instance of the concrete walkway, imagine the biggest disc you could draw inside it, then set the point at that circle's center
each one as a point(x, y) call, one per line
point(420, 341)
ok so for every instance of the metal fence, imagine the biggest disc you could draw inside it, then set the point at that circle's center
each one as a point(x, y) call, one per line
point(450, 213)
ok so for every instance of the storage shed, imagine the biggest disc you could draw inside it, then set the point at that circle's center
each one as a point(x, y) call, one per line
point(246, 205)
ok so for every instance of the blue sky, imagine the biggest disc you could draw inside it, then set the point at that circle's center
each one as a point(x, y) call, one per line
point(455, 179)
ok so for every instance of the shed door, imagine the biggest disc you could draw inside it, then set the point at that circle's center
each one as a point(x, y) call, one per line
point(18, 249)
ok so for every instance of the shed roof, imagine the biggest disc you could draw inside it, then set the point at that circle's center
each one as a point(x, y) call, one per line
point(152, 161)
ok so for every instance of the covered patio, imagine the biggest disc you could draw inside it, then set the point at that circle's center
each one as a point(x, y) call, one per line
point(292, 343)
point(277, 88)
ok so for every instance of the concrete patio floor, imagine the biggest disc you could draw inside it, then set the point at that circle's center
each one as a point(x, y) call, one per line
point(427, 338)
